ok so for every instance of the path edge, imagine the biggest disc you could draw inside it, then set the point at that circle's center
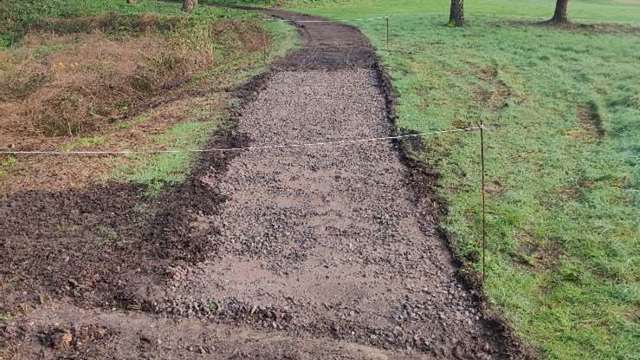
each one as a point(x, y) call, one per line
point(419, 172)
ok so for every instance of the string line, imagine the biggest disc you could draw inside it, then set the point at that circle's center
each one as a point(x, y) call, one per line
point(235, 149)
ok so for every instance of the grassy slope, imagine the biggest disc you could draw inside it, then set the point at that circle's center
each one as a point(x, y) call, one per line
point(160, 170)
point(564, 238)
point(155, 171)
point(16, 16)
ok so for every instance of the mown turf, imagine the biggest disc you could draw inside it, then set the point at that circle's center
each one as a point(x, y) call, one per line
point(563, 166)
point(583, 10)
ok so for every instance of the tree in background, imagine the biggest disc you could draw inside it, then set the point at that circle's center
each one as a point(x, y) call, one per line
point(456, 16)
point(189, 5)
point(560, 15)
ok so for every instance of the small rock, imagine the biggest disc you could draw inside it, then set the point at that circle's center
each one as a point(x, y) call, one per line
point(61, 339)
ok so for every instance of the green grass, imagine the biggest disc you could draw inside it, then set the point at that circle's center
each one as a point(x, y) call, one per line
point(582, 10)
point(157, 171)
point(140, 119)
point(5, 317)
point(6, 163)
point(84, 142)
point(563, 204)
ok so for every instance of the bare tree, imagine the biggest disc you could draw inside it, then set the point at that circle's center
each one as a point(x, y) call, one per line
point(560, 15)
point(456, 15)
point(189, 5)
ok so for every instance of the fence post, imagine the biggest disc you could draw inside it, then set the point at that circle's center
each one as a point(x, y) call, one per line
point(387, 20)
point(482, 196)
point(264, 48)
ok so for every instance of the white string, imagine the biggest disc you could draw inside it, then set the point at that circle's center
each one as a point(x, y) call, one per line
point(247, 148)
point(328, 21)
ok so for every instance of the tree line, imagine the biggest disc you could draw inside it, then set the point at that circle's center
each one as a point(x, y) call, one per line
point(456, 13)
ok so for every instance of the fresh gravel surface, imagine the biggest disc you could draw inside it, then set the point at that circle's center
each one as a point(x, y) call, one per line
point(329, 236)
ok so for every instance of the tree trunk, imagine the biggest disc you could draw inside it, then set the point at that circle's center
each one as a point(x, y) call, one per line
point(131, 1)
point(189, 5)
point(560, 15)
point(456, 16)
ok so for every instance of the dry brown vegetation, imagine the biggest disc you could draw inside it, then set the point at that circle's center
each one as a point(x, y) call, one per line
point(83, 77)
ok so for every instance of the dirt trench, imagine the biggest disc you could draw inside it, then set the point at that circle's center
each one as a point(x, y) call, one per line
point(315, 252)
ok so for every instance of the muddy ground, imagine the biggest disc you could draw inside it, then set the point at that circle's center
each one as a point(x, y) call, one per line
point(318, 252)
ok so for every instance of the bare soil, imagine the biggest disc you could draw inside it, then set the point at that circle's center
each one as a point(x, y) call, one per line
point(327, 252)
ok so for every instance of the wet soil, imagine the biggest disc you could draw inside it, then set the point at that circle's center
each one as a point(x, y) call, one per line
point(322, 252)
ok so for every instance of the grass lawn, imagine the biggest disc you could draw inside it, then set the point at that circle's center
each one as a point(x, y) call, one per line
point(563, 161)
point(623, 11)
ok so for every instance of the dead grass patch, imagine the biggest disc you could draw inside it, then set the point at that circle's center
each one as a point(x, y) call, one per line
point(589, 123)
point(93, 82)
point(537, 254)
point(589, 118)
point(493, 92)
point(52, 173)
point(77, 82)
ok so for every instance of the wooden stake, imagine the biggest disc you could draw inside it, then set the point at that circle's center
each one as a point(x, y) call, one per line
point(482, 192)
point(264, 48)
point(387, 19)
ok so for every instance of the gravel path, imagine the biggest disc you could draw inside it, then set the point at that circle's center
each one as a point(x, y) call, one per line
point(319, 252)
point(328, 242)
